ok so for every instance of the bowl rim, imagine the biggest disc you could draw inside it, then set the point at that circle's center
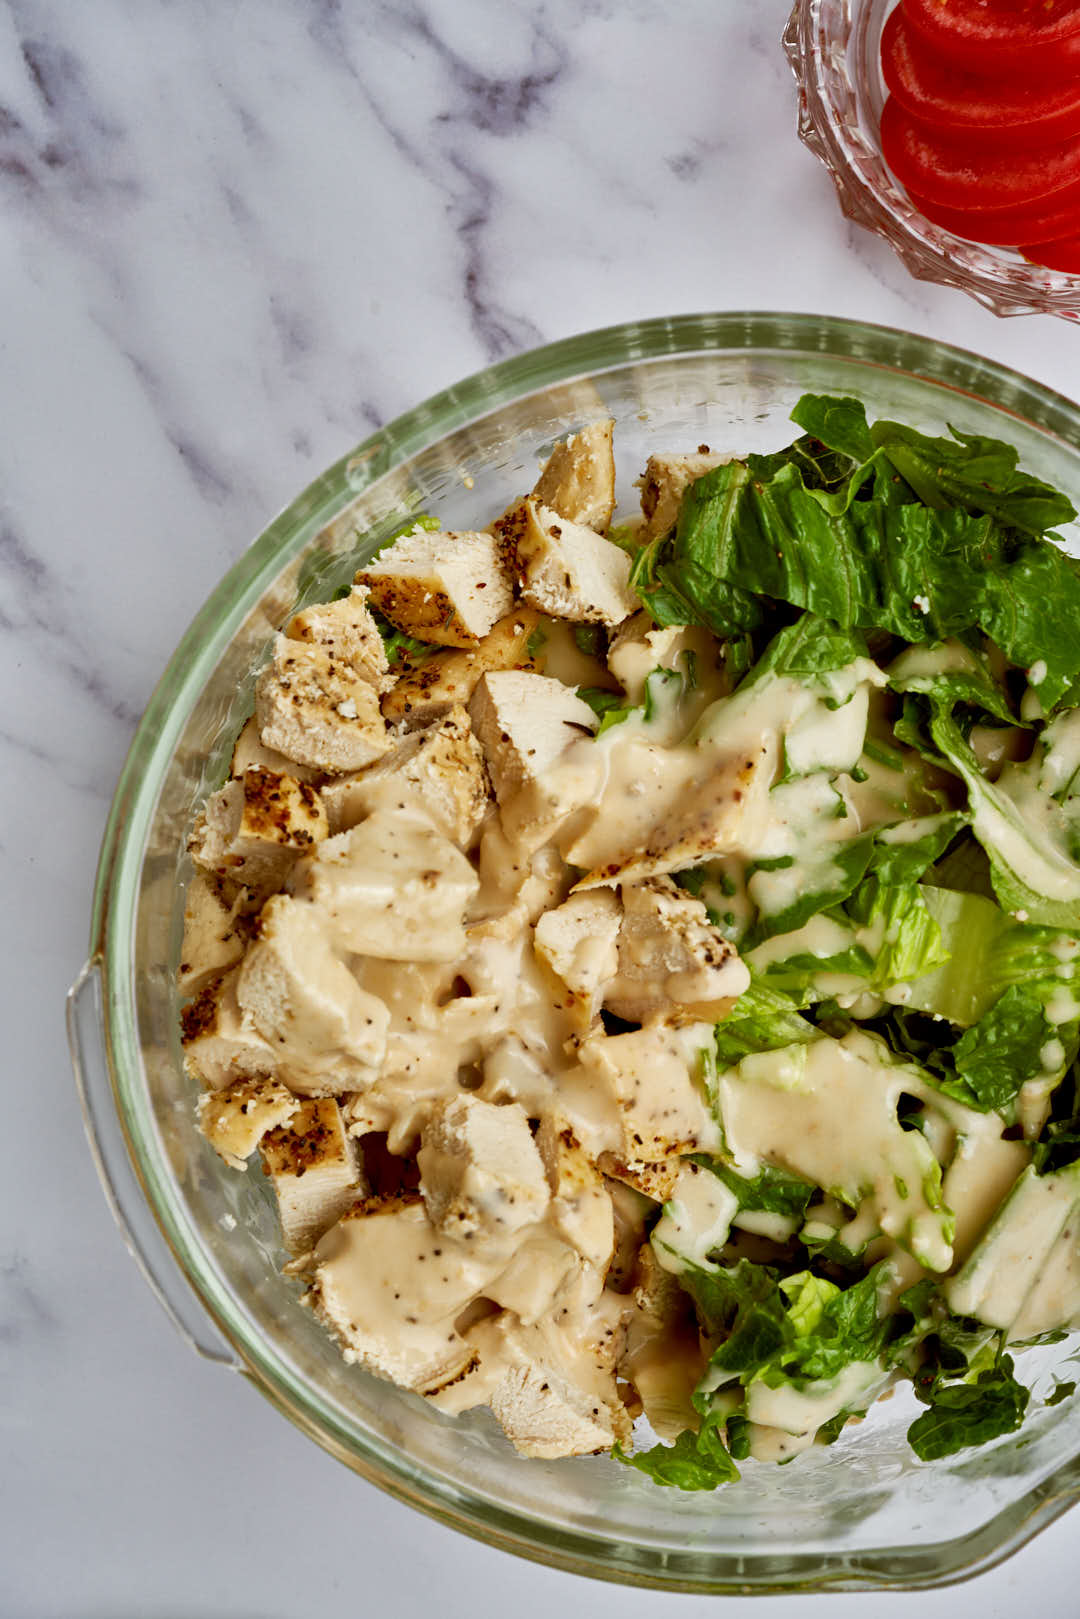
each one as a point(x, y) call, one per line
point(586, 355)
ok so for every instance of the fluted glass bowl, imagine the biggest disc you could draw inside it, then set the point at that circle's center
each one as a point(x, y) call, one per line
point(834, 47)
point(863, 1512)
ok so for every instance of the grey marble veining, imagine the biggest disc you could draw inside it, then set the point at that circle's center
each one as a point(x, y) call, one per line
point(233, 239)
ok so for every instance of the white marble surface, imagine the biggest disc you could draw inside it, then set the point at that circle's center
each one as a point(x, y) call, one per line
point(233, 237)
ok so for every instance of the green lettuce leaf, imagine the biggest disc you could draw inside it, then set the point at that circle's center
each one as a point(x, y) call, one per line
point(770, 1191)
point(696, 1461)
point(762, 1019)
point(962, 1414)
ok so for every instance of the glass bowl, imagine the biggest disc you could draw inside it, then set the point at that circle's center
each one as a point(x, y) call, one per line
point(861, 1513)
point(834, 47)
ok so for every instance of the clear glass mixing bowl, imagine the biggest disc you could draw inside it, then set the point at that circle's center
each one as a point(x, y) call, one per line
point(861, 1513)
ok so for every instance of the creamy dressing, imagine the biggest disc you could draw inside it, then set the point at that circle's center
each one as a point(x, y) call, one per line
point(695, 1222)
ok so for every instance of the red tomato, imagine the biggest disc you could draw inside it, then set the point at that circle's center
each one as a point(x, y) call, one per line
point(959, 172)
point(950, 99)
point(1008, 227)
point(1035, 39)
point(1064, 255)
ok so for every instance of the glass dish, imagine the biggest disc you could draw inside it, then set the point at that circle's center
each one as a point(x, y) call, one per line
point(834, 50)
point(862, 1513)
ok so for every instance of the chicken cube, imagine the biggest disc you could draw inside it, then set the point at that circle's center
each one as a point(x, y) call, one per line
point(392, 887)
point(444, 588)
point(317, 710)
point(673, 963)
point(216, 930)
point(564, 568)
point(220, 1043)
point(524, 723)
point(480, 1171)
point(252, 829)
point(429, 691)
point(313, 1167)
point(577, 941)
point(391, 1288)
point(578, 478)
point(653, 1077)
point(540, 1269)
point(349, 633)
point(438, 771)
point(663, 483)
point(328, 1033)
point(235, 1120)
point(249, 754)
point(581, 1210)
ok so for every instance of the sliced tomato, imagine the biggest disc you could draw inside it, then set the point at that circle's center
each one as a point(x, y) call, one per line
point(949, 99)
point(959, 172)
point(1037, 39)
point(1064, 255)
point(1008, 227)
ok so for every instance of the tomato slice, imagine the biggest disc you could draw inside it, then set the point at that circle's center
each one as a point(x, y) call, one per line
point(1039, 39)
point(1008, 227)
point(1064, 255)
point(950, 99)
point(959, 172)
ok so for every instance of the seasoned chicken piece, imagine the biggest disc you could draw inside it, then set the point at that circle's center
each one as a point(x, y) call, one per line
point(662, 484)
point(220, 1043)
point(540, 1269)
point(392, 887)
point(252, 829)
point(564, 568)
point(480, 1172)
point(216, 930)
point(661, 1354)
point(235, 1120)
point(313, 1167)
point(438, 771)
point(673, 964)
point(581, 1211)
point(426, 693)
point(391, 1287)
point(652, 1075)
point(317, 710)
point(249, 754)
point(348, 632)
point(578, 478)
point(524, 723)
point(577, 941)
point(446, 588)
point(329, 1034)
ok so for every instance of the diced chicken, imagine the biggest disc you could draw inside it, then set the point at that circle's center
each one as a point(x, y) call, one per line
point(393, 887)
point(653, 1077)
point(564, 568)
point(577, 941)
point(313, 1167)
point(249, 754)
point(252, 829)
point(426, 693)
point(235, 1120)
point(445, 588)
point(680, 824)
point(663, 483)
point(581, 1211)
point(439, 771)
point(328, 1033)
point(220, 1043)
point(634, 1211)
point(216, 930)
point(578, 478)
point(661, 1354)
point(348, 632)
point(540, 1268)
point(656, 1181)
point(524, 722)
point(480, 1171)
point(673, 964)
point(391, 1287)
point(317, 710)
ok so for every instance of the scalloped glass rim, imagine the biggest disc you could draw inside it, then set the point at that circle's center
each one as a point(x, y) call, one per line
point(134, 882)
point(832, 46)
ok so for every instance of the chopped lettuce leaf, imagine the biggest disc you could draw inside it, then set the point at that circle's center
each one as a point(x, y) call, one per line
point(770, 1191)
point(962, 1414)
point(696, 1461)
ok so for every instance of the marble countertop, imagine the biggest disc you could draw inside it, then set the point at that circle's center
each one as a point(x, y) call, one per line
point(234, 238)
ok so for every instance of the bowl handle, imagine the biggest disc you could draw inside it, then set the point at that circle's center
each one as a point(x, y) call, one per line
point(123, 1190)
